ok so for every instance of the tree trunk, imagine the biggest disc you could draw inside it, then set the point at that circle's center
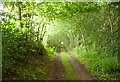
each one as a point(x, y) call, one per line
point(20, 16)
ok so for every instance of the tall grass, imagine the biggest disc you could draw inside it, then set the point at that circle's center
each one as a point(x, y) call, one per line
point(100, 65)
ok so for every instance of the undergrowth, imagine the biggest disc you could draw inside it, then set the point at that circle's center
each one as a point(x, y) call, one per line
point(100, 65)
point(24, 58)
point(36, 69)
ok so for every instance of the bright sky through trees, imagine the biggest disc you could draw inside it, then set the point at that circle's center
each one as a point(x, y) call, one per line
point(32, 33)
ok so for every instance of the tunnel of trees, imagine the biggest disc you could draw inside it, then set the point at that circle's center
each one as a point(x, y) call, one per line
point(88, 30)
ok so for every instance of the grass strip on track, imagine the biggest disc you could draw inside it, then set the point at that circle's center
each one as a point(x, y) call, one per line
point(70, 72)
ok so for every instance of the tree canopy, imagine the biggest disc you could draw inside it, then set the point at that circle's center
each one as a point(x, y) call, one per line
point(38, 27)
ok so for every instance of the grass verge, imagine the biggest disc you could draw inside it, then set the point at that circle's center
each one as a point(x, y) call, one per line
point(36, 68)
point(101, 66)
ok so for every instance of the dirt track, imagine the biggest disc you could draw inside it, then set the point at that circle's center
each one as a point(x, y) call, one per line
point(57, 71)
point(79, 68)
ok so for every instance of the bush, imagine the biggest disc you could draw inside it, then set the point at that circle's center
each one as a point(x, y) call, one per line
point(16, 47)
point(98, 64)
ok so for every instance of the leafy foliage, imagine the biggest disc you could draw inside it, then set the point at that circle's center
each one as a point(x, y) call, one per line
point(104, 67)
point(89, 29)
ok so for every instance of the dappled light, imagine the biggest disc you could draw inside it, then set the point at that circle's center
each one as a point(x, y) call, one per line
point(60, 40)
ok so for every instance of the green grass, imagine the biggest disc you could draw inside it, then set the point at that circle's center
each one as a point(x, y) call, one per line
point(70, 72)
point(37, 68)
point(101, 66)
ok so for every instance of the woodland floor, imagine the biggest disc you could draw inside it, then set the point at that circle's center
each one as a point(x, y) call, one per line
point(58, 72)
point(43, 68)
